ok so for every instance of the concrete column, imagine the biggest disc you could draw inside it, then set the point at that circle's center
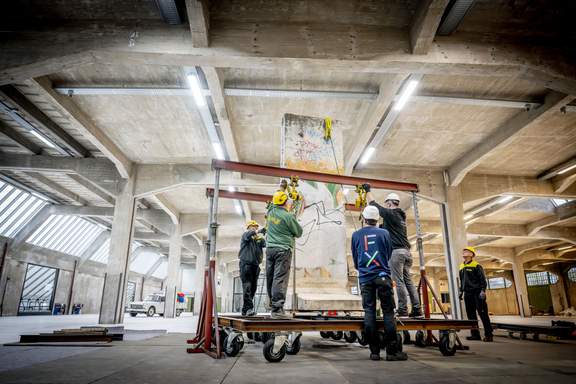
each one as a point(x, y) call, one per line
point(453, 221)
point(199, 278)
point(558, 290)
point(173, 277)
point(112, 308)
point(521, 287)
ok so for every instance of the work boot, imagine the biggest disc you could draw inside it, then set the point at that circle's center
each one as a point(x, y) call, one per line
point(280, 315)
point(402, 314)
point(250, 312)
point(398, 356)
point(488, 339)
point(374, 357)
point(415, 313)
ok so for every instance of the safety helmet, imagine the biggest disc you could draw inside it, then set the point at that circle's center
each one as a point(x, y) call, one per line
point(279, 198)
point(392, 196)
point(252, 223)
point(471, 249)
point(370, 213)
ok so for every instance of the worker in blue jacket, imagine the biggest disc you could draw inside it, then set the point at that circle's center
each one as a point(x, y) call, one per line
point(371, 250)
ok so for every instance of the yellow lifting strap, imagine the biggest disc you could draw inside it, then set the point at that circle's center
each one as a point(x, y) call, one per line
point(327, 129)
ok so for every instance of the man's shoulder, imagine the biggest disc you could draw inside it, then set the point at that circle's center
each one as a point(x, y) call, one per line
point(370, 230)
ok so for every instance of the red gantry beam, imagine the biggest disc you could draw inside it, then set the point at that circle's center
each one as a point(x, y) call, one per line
point(257, 197)
point(266, 170)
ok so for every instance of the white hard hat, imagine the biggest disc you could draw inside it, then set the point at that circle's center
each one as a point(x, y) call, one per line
point(370, 213)
point(392, 196)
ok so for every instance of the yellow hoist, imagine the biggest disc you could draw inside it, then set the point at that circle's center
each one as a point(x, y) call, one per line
point(361, 199)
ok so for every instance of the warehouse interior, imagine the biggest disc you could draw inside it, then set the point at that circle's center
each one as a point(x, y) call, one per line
point(111, 114)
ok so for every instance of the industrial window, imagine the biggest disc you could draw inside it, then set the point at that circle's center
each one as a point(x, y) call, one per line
point(572, 274)
point(161, 271)
point(17, 208)
point(66, 234)
point(101, 254)
point(499, 283)
point(145, 258)
point(559, 202)
point(38, 291)
point(541, 278)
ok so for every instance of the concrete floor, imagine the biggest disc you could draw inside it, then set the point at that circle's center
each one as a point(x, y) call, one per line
point(163, 359)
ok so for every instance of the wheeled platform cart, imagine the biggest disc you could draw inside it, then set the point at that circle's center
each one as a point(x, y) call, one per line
point(282, 337)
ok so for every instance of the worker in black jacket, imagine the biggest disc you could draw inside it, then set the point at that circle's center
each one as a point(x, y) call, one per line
point(473, 288)
point(250, 258)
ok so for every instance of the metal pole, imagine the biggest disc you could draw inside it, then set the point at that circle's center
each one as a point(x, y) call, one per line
point(294, 298)
point(455, 309)
point(425, 299)
point(213, 230)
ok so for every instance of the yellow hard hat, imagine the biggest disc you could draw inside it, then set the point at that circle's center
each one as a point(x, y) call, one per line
point(279, 198)
point(252, 223)
point(471, 249)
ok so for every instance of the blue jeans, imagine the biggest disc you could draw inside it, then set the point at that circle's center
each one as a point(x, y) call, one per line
point(381, 288)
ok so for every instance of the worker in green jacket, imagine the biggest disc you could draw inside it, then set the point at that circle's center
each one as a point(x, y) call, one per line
point(283, 228)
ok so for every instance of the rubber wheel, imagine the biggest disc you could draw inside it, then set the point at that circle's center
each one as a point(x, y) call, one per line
point(536, 337)
point(407, 338)
point(337, 335)
point(295, 348)
point(233, 349)
point(132, 314)
point(523, 335)
point(325, 334)
point(240, 341)
point(250, 335)
point(151, 312)
point(350, 337)
point(269, 355)
point(257, 336)
point(265, 336)
point(444, 344)
point(178, 313)
point(420, 339)
point(362, 339)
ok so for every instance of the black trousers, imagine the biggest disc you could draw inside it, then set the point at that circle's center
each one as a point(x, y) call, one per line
point(278, 262)
point(249, 274)
point(473, 304)
point(381, 289)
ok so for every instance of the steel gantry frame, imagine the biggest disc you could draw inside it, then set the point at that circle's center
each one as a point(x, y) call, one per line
point(207, 340)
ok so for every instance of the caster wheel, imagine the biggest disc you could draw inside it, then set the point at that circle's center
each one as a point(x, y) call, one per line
point(325, 334)
point(420, 339)
point(407, 338)
point(257, 336)
point(511, 335)
point(523, 335)
point(535, 337)
point(447, 343)
point(337, 335)
point(294, 348)
point(362, 339)
point(234, 348)
point(350, 337)
point(268, 351)
point(250, 335)
point(266, 336)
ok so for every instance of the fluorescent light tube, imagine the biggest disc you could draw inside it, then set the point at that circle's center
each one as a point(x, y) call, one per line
point(505, 199)
point(231, 189)
point(43, 139)
point(468, 217)
point(218, 150)
point(405, 95)
point(567, 169)
point(238, 207)
point(196, 90)
point(367, 155)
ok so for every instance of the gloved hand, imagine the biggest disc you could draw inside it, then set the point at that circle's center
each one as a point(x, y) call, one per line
point(366, 187)
point(263, 231)
point(460, 295)
point(482, 295)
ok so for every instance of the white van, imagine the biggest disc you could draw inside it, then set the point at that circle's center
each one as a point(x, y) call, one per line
point(151, 305)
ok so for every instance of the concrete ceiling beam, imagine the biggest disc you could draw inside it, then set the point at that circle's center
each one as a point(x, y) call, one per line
point(425, 24)
point(505, 134)
point(469, 54)
point(86, 125)
point(94, 188)
point(42, 122)
point(199, 19)
point(479, 187)
point(20, 140)
point(100, 172)
point(562, 214)
point(57, 188)
point(167, 207)
point(371, 120)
